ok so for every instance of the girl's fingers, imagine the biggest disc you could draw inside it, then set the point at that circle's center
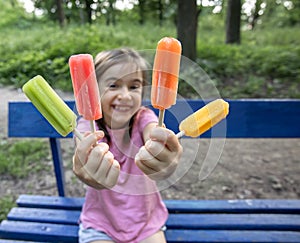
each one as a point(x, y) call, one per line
point(95, 158)
point(102, 167)
point(113, 174)
point(147, 162)
point(158, 150)
point(166, 137)
point(85, 146)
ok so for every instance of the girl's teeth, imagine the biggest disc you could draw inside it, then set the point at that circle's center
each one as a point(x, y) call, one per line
point(120, 108)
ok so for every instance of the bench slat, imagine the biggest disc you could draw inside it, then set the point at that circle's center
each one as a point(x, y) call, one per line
point(248, 118)
point(17, 241)
point(38, 231)
point(55, 202)
point(175, 221)
point(68, 233)
point(178, 206)
point(221, 236)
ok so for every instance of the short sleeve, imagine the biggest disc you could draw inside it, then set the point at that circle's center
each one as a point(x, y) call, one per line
point(144, 117)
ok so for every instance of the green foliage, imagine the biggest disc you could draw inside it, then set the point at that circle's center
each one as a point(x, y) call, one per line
point(19, 159)
point(263, 66)
point(6, 203)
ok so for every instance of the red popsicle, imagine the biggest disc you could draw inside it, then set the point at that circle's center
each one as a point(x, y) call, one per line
point(165, 75)
point(85, 87)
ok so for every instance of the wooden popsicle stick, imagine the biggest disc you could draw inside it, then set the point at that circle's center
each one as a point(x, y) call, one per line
point(93, 128)
point(161, 116)
point(180, 134)
point(78, 134)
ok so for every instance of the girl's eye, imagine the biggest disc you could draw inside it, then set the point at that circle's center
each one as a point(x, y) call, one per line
point(112, 86)
point(136, 85)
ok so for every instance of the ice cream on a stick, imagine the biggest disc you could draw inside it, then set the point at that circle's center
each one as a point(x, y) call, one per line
point(85, 87)
point(165, 75)
point(204, 119)
point(51, 106)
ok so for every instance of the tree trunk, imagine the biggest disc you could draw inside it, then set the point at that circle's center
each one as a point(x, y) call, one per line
point(233, 22)
point(141, 11)
point(60, 13)
point(88, 10)
point(160, 12)
point(187, 18)
point(255, 15)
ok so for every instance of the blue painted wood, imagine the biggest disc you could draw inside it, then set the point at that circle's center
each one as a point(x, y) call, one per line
point(68, 233)
point(42, 215)
point(286, 206)
point(51, 202)
point(58, 165)
point(18, 241)
point(20, 230)
point(247, 119)
point(219, 221)
point(232, 236)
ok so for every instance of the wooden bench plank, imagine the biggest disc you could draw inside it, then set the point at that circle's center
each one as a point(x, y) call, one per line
point(67, 233)
point(18, 241)
point(39, 232)
point(175, 221)
point(248, 118)
point(221, 236)
point(175, 206)
point(58, 216)
point(55, 202)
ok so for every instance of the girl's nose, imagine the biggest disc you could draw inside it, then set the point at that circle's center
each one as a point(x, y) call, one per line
point(124, 93)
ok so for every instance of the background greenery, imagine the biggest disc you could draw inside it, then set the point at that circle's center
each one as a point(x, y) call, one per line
point(266, 64)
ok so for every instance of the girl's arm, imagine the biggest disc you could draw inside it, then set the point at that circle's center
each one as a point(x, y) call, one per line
point(160, 155)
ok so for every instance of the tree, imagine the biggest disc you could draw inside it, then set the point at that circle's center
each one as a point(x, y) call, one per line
point(233, 22)
point(60, 13)
point(255, 14)
point(110, 11)
point(141, 6)
point(88, 10)
point(187, 18)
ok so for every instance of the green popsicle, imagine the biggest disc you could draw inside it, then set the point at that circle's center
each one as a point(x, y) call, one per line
point(51, 106)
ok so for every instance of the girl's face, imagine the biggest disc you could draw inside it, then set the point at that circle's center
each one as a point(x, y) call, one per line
point(121, 88)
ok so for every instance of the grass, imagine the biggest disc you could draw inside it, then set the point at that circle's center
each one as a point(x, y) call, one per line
point(18, 159)
point(6, 203)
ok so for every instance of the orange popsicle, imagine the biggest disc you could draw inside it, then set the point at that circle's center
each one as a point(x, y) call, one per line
point(85, 87)
point(165, 74)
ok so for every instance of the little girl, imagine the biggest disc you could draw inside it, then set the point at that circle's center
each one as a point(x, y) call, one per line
point(122, 161)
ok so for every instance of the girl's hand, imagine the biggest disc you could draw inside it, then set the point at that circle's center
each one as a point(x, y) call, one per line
point(160, 155)
point(94, 164)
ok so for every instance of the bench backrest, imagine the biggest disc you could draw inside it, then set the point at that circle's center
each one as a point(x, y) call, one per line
point(246, 119)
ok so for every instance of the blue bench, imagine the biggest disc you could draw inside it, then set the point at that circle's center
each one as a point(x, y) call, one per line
point(54, 218)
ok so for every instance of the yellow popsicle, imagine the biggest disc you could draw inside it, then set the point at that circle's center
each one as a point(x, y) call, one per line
point(50, 105)
point(203, 119)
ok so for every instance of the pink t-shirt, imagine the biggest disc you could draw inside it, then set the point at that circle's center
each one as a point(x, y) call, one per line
point(133, 209)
